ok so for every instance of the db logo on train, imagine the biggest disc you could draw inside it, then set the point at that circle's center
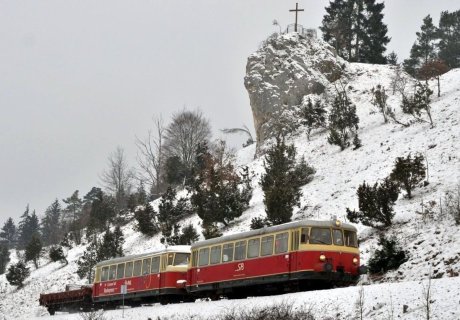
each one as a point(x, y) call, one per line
point(240, 267)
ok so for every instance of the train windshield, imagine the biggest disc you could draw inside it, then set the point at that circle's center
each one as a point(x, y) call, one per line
point(350, 238)
point(181, 259)
point(320, 236)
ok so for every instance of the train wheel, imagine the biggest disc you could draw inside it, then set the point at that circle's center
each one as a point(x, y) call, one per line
point(51, 311)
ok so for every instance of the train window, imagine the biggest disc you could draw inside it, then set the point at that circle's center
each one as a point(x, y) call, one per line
point(203, 259)
point(215, 254)
point(170, 259)
point(295, 240)
point(105, 274)
point(253, 248)
point(112, 272)
point(98, 275)
point(194, 258)
point(240, 250)
point(350, 238)
point(137, 268)
point(181, 259)
point(320, 236)
point(267, 246)
point(120, 270)
point(337, 237)
point(129, 269)
point(146, 266)
point(281, 242)
point(227, 252)
point(304, 235)
point(155, 268)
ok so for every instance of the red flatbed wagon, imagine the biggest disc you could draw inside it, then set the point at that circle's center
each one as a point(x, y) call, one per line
point(67, 300)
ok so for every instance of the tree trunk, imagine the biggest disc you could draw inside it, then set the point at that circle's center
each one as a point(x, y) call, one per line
point(439, 86)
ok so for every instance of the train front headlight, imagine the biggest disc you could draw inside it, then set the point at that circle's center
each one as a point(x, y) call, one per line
point(322, 258)
point(355, 260)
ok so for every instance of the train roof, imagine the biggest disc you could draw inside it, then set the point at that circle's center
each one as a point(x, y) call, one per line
point(180, 249)
point(281, 227)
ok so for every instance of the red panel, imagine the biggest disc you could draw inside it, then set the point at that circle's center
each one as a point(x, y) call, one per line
point(141, 283)
point(272, 265)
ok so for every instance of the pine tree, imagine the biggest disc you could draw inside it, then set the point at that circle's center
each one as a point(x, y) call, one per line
point(375, 204)
point(57, 254)
point(74, 206)
point(219, 193)
point(111, 245)
point(343, 121)
point(102, 211)
point(175, 171)
point(28, 226)
point(211, 231)
point(9, 231)
point(389, 257)
point(146, 220)
point(4, 258)
point(282, 181)
point(408, 172)
point(33, 250)
point(88, 260)
point(313, 116)
point(392, 58)
point(421, 101)
point(119, 240)
point(17, 273)
point(50, 225)
point(424, 49)
point(449, 38)
point(356, 30)
point(170, 212)
point(188, 236)
point(73, 214)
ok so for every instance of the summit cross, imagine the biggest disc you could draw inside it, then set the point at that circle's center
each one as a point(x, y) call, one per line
point(296, 10)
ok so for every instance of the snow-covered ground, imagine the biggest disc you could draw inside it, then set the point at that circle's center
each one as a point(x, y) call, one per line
point(433, 243)
point(380, 301)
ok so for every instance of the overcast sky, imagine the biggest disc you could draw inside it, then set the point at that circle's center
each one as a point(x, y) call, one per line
point(80, 77)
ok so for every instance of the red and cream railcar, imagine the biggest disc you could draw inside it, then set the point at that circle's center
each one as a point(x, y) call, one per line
point(282, 257)
point(156, 276)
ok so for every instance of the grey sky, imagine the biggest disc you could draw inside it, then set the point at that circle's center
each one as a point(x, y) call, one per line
point(79, 77)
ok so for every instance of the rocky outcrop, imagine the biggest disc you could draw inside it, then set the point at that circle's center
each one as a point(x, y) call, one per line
point(285, 69)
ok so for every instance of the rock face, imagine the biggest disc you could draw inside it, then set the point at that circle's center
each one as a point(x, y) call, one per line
point(281, 73)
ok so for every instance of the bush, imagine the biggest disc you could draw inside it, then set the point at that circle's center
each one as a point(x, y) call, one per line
point(57, 254)
point(279, 311)
point(389, 257)
point(408, 172)
point(17, 273)
point(258, 223)
point(375, 204)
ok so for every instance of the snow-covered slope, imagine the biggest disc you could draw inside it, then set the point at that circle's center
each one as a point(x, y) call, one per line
point(433, 243)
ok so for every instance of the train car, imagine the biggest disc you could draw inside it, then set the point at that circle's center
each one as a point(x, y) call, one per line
point(150, 277)
point(286, 257)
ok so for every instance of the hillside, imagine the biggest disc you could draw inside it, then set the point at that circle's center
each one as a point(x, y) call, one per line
point(432, 242)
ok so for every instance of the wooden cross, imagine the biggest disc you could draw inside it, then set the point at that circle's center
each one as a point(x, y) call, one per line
point(296, 10)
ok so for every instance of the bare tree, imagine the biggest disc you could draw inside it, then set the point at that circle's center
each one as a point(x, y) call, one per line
point(245, 130)
point(118, 178)
point(359, 304)
point(150, 156)
point(426, 298)
point(186, 130)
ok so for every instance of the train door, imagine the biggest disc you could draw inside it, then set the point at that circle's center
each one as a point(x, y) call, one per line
point(194, 274)
point(294, 249)
point(163, 275)
point(337, 237)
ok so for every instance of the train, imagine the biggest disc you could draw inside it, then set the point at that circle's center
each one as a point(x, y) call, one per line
point(294, 256)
